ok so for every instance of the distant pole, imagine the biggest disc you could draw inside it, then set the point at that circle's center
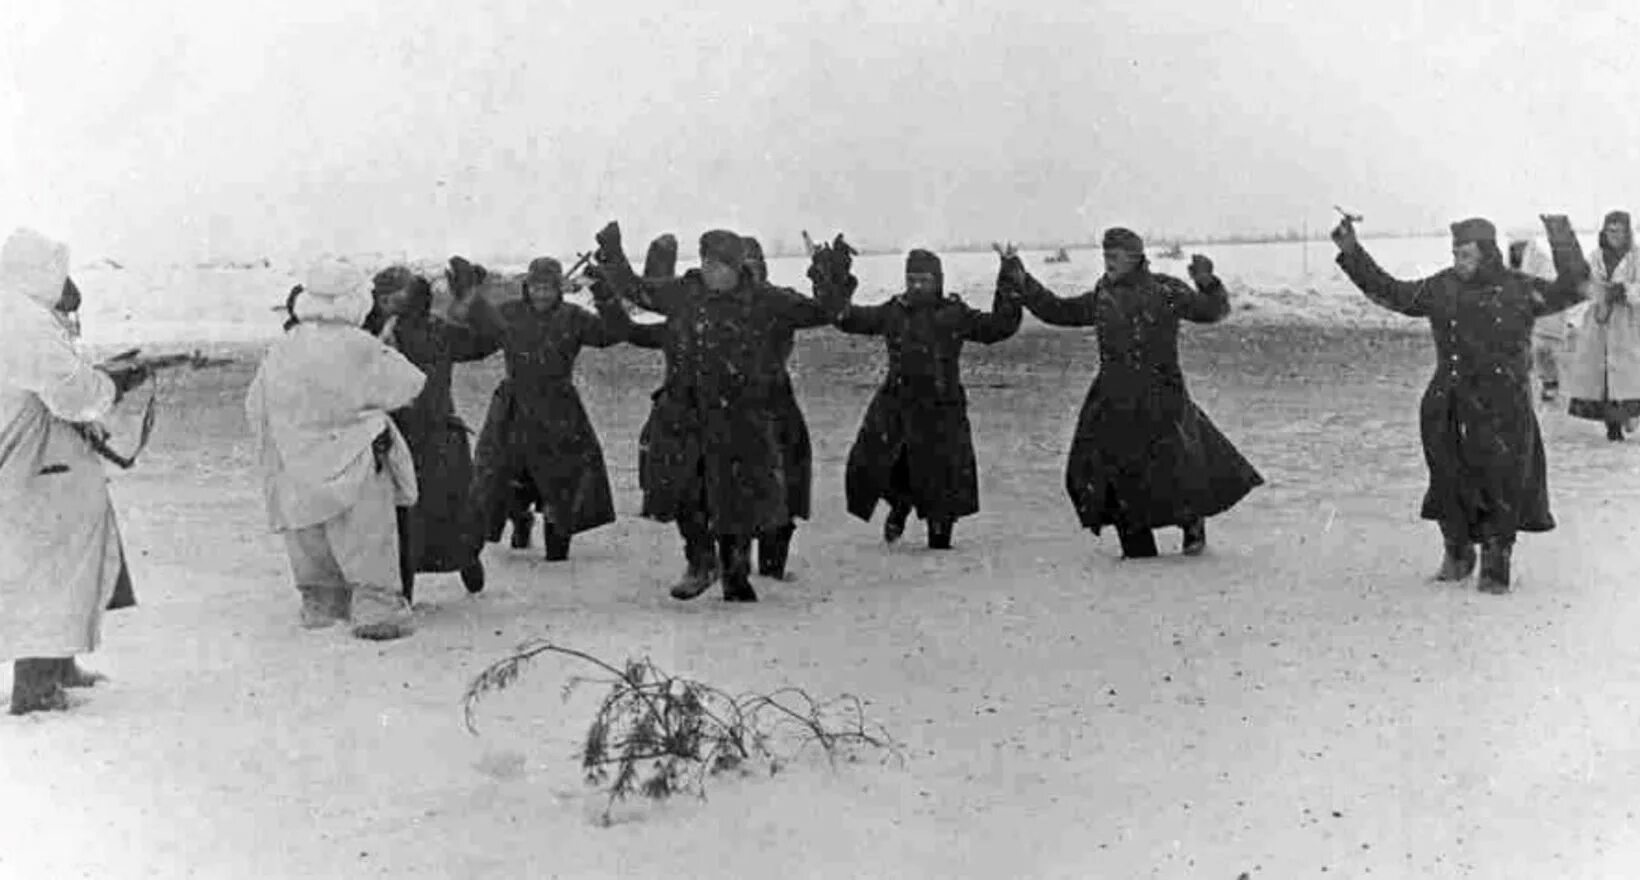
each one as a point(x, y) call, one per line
point(1304, 235)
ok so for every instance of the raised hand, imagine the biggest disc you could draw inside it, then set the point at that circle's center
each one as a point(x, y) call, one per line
point(1343, 234)
point(126, 376)
point(1011, 272)
point(1201, 270)
point(609, 241)
point(463, 276)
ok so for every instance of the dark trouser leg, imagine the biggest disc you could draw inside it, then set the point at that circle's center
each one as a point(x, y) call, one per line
point(1137, 542)
point(1614, 431)
point(556, 538)
point(773, 548)
point(518, 512)
point(36, 685)
point(1496, 551)
point(735, 556)
point(899, 499)
point(407, 562)
point(1459, 561)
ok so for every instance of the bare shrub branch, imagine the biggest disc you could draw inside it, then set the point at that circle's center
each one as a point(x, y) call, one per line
point(664, 734)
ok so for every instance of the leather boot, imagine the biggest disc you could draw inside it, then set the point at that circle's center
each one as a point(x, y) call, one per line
point(36, 686)
point(1614, 432)
point(894, 524)
point(523, 522)
point(701, 570)
point(1137, 543)
point(773, 548)
point(735, 556)
point(939, 534)
point(1495, 554)
point(556, 540)
point(1458, 563)
point(472, 577)
point(1195, 537)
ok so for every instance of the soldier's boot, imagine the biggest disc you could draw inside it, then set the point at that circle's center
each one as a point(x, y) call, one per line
point(556, 539)
point(1195, 537)
point(735, 556)
point(472, 576)
point(894, 524)
point(1458, 563)
point(1614, 431)
point(773, 549)
point(939, 533)
point(702, 569)
point(1495, 553)
point(523, 522)
point(36, 686)
point(1137, 543)
point(318, 606)
point(70, 675)
point(380, 614)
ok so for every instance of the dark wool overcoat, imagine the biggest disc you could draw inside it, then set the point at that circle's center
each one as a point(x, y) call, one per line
point(1487, 474)
point(444, 532)
point(918, 419)
point(1144, 455)
point(714, 437)
point(536, 430)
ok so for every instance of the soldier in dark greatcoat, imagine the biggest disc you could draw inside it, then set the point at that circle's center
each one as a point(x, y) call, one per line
point(1487, 475)
point(440, 533)
point(537, 432)
point(796, 450)
point(1144, 455)
point(915, 448)
point(713, 459)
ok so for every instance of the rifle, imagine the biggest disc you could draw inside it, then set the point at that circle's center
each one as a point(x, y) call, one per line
point(153, 364)
point(97, 435)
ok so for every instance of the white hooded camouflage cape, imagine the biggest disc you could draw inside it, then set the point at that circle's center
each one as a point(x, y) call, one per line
point(59, 542)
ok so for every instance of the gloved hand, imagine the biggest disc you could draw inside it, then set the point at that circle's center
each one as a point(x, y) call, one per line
point(609, 243)
point(464, 277)
point(662, 259)
point(1201, 270)
point(126, 377)
point(1343, 235)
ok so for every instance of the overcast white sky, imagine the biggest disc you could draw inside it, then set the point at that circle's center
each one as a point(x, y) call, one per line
point(197, 129)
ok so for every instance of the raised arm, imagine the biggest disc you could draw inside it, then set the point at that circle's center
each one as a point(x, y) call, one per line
point(646, 335)
point(1205, 303)
point(1570, 285)
point(994, 326)
point(801, 312)
point(863, 320)
point(1059, 311)
point(665, 296)
point(1410, 298)
point(610, 326)
point(474, 331)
